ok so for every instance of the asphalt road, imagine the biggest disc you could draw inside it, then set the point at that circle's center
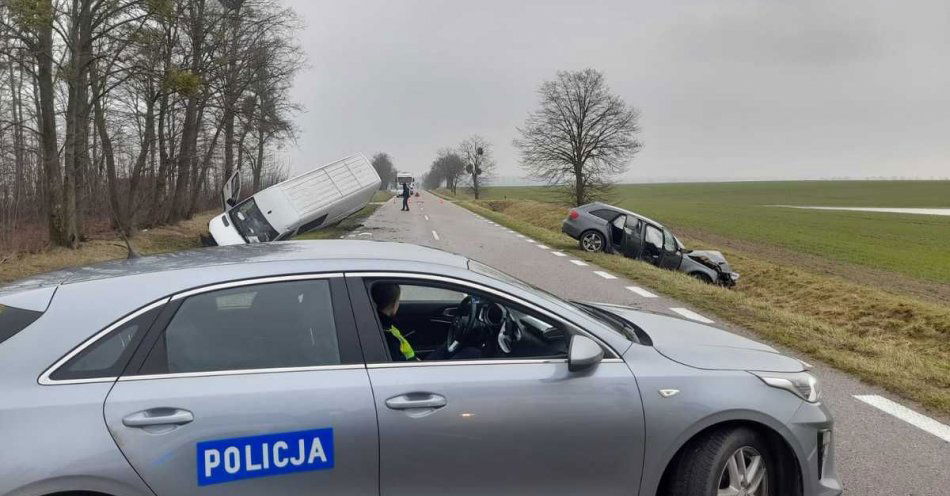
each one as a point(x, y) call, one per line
point(878, 453)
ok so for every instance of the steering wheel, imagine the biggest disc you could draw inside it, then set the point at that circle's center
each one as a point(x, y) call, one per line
point(463, 324)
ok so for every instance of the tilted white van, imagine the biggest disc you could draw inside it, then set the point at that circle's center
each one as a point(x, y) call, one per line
point(315, 199)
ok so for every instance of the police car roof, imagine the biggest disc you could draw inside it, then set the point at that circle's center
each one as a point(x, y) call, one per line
point(241, 254)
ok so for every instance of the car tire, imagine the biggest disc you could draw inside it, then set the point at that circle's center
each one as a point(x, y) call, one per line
point(702, 277)
point(728, 461)
point(592, 241)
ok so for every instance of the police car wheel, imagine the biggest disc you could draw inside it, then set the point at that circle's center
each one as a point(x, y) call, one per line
point(726, 462)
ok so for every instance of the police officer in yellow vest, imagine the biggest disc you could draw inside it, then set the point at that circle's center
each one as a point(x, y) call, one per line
point(386, 296)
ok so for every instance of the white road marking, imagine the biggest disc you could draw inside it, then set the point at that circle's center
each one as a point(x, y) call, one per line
point(426, 216)
point(913, 418)
point(689, 314)
point(605, 275)
point(642, 292)
point(578, 262)
point(435, 235)
point(543, 247)
point(558, 254)
point(521, 235)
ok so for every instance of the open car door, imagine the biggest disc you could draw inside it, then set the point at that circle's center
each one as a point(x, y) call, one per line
point(231, 192)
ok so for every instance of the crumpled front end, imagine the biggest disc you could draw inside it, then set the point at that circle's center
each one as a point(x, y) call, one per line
point(717, 262)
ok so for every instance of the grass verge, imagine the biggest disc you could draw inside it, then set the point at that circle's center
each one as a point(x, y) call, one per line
point(181, 236)
point(894, 341)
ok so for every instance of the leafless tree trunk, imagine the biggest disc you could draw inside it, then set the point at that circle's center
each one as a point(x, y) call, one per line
point(479, 163)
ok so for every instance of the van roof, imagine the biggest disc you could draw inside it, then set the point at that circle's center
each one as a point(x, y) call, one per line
point(320, 167)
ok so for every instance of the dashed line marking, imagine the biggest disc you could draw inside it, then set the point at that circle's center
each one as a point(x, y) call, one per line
point(913, 418)
point(521, 235)
point(543, 247)
point(640, 291)
point(426, 216)
point(579, 263)
point(691, 315)
point(435, 235)
point(558, 254)
point(605, 275)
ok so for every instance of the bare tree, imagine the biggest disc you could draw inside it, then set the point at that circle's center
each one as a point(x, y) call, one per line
point(385, 168)
point(477, 154)
point(581, 136)
point(128, 102)
point(448, 167)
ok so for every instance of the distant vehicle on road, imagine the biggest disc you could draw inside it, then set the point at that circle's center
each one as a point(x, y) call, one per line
point(601, 227)
point(312, 200)
point(267, 369)
point(405, 178)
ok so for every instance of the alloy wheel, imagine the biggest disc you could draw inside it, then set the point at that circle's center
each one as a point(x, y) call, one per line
point(592, 242)
point(745, 474)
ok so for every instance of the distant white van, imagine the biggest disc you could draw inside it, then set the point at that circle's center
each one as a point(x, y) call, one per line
point(315, 199)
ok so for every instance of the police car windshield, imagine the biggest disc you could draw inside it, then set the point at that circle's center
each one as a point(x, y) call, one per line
point(250, 222)
point(615, 323)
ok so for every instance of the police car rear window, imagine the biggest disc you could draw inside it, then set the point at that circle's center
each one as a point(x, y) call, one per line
point(14, 320)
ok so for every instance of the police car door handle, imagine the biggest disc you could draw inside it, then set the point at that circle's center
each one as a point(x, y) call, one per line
point(416, 400)
point(158, 416)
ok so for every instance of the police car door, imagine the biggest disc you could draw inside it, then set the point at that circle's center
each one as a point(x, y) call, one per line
point(251, 389)
point(500, 427)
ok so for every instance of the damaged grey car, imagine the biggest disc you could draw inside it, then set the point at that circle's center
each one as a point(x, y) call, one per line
point(601, 227)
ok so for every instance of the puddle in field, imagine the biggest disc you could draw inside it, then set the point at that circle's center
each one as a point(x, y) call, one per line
point(920, 211)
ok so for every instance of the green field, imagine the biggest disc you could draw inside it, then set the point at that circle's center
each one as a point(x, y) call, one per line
point(912, 245)
point(865, 292)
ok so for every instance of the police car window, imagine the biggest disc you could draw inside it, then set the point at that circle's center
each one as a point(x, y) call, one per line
point(278, 325)
point(423, 329)
point(412, 293)
point(13, 320)
point(108, 355)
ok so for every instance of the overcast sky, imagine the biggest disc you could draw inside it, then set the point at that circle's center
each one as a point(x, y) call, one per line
point(727, 89)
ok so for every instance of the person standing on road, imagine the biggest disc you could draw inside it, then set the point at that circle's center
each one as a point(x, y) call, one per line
point(405, 197)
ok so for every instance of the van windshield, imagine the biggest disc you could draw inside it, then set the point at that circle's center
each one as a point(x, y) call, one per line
point(250, 222)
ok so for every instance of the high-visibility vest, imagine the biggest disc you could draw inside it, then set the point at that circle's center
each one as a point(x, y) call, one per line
point(404, 347)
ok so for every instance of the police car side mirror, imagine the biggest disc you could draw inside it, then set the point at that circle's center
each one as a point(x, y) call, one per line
point(584, 353)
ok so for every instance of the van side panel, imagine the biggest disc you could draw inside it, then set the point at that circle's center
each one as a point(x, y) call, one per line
point(336, 190)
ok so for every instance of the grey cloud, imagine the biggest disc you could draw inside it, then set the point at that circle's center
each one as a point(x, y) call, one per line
point(742, 88)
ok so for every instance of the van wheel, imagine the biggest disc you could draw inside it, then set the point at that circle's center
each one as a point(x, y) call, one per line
point(702, 277)
point(726, 462)
point(592, 241)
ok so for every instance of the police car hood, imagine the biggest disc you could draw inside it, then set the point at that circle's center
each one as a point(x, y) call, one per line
point(705, 347)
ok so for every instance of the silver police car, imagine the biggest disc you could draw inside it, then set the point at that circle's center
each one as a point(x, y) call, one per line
point(266, 369)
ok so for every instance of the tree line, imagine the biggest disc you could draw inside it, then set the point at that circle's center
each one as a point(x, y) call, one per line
point(469, 164)
point(132, 113)
point(579, 139)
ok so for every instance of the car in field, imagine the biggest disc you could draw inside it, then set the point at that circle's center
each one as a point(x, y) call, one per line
point(318, 198)
point(264, 369)
point(601, 227)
